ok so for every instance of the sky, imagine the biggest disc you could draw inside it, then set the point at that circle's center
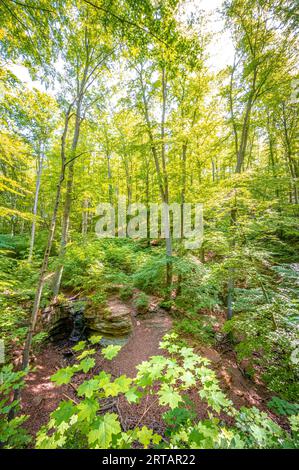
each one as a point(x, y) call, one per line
point(220, 50)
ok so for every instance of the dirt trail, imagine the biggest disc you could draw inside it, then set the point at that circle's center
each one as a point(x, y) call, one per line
point(148, 330)
point(40, 396)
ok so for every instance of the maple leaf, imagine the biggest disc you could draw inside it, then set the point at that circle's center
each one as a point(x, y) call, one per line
point(87, 364)
point(111, 389)
point(81, 345)
point(88, 387)
point(169, 396)
point(87, 409)
point(123, 382)
point(94, 339)
point(103, 378)
point(111, 351)
point(63, 376)
point(188, 379)
point(144, 436)
point(133, 395)
point(106, 427)
point(64, 411)
point(86, 353)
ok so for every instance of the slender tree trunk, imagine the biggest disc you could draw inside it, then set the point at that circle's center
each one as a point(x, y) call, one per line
point(109, 174)
point(183, 194)
point(85, 216)
point(166, 188)
point(68, 201)
point(44, 267)
point(292, 164)
point(244, 138)
point(147, 198)
point(161, 174)
point(231, 270)
point(35, 205)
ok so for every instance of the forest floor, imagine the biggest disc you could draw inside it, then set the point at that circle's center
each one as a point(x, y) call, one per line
point(40, 396)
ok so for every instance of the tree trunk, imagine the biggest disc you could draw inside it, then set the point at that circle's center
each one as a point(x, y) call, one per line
point(85, 216)
point(68, 201)
point(37, 188)
point(41, 280)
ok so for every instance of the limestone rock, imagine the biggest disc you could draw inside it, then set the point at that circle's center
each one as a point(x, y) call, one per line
point(113, 321)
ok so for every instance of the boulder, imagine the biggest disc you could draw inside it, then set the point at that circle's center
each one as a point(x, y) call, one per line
point(112, 321)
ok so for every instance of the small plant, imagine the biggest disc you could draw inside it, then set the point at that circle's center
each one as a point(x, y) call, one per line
point(38, 340)
point(201, 328)
point(126, 293)
point(166, 304)
point(141, 302)
point(12, 434)
point(283, 407)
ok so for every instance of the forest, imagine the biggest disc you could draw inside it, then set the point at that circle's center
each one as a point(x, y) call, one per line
point(149, 230)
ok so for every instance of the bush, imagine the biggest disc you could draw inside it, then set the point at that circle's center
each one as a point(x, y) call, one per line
point(12, 434)
point(151, 276)
point(126, 293)
point(141, 302)
point(200, 328)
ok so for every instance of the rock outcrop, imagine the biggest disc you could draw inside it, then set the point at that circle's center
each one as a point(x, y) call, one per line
point(112, 321)
point(61, 320)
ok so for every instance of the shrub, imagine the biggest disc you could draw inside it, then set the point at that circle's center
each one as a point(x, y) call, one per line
point(141, 302)
point(201, 328)
point(126, 293)
point(12, 434)
point(151, 276)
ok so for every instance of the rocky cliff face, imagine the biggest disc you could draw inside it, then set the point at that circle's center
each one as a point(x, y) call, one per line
point(74, 319)
point(112, 321)
point(60, 320)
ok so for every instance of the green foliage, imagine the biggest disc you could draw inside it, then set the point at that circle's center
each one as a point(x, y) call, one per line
point(274, 347)
point(283, 407)
point(120, 257)
point(110, 351)
point(178, 417)
point(167, 380)
point(141, 302)
point(150, 277)
point(12, 433)
point(199, 326)
point(200, 285)
point(126, 293)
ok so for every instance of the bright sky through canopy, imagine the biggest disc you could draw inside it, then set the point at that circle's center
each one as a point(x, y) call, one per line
point(220, 49)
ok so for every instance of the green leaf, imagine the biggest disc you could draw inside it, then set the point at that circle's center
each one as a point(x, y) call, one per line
point(103, 378)
point(169, 396)
point(101, 435)
point(87, 409)
point(111, 389)
point(63, 376)
point(88, 388)
point(87, 364)
point(81, 345)
point(64, 411)
point(144, 436)
point(86, 353)
point(123, 382)
point(94, 339)
point(133, 395)
point(110, 351)
point(188, 379)
point(215, 398)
